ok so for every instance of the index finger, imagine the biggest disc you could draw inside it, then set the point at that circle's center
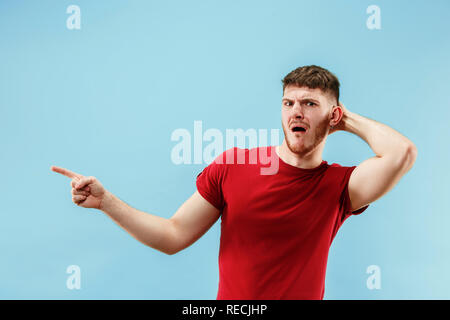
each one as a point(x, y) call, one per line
point(66, 172)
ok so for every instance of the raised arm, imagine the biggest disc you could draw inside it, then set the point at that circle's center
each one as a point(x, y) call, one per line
point(169, 236)
point(395, 156)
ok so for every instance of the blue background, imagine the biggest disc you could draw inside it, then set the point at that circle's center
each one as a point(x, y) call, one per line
point(104, 100)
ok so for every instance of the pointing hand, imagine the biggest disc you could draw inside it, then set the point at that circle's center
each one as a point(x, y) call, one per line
point(87, 192)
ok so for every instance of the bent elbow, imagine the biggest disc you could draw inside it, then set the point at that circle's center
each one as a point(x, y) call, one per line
point(412, 153)
point(172, 239)
point(410, 157)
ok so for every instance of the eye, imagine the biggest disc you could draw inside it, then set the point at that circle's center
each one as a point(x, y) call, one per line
point(310, 103)
point(287, 103)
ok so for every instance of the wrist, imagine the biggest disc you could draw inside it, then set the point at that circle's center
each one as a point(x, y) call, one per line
point(347, 120)
point(106, 201)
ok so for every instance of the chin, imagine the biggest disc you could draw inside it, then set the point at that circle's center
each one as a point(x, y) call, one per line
point(296, 147)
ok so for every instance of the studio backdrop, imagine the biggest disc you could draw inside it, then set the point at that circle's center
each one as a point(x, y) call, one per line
point(114, 89)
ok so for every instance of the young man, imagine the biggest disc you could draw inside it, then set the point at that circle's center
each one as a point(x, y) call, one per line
point(276, 229)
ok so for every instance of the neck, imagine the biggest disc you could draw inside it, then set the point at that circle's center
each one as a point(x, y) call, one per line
point(310, 160)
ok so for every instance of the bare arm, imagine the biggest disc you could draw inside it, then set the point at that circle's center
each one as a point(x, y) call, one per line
point(395, 156)
point(187, 225)
point(192, 220)
point(153, 231)
point(169, 236)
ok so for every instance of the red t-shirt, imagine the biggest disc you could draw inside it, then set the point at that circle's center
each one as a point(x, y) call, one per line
point(276, 229)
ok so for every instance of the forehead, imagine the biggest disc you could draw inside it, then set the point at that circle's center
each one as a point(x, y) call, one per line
point(298, 93)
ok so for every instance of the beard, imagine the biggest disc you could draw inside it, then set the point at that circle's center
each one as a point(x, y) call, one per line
point(304, 143)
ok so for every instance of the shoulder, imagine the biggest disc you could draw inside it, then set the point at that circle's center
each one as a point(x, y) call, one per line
point(336, 168)
point(229, 156)
point(339, 173)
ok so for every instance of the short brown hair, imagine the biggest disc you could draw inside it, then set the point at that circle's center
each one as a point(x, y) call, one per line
point(313, 77)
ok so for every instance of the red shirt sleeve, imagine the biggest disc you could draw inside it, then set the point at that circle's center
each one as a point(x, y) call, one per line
point(210, 181)
point(345, 198)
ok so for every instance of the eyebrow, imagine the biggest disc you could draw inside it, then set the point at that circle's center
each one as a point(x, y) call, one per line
point(303, 99)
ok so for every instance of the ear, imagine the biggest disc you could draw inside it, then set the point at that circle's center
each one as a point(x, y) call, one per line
point(336, 115)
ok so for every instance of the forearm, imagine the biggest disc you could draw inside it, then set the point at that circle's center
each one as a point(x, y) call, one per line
point(151, 230)
point(383, 140)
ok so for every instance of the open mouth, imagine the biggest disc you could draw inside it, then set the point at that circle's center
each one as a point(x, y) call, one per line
point(298, 129)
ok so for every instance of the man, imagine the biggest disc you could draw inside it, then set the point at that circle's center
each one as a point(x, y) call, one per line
point(276, 229)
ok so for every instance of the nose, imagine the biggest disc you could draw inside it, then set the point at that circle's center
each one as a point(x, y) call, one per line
point(297, 110)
